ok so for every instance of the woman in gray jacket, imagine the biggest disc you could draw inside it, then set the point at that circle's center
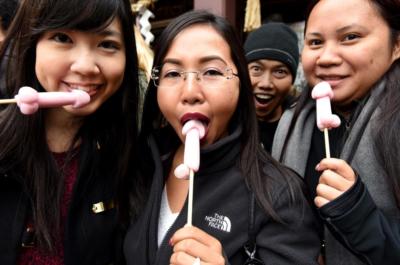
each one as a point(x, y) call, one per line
point(358, 192)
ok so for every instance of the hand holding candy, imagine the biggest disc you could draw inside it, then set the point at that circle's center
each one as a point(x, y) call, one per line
point(322, 93)
point(336, 178)
point(29, 100)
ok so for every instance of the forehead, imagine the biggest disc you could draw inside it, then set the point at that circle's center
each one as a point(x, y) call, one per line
point(114, 28)
point(342, 13)
point(199, 43)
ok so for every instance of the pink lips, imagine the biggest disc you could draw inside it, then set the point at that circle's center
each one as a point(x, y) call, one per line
point(333, 80)
point(196, 116)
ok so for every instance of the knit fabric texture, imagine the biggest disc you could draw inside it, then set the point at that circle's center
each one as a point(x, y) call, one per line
point(274, 41)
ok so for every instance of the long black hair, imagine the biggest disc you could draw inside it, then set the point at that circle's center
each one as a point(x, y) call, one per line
point(7, 11)
point(108, 136)
point(253, 158)
point(388, 124)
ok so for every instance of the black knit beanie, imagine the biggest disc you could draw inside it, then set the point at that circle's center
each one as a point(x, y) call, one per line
point(274, 41)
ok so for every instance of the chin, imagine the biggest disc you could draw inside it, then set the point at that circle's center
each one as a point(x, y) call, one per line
point(81, 112)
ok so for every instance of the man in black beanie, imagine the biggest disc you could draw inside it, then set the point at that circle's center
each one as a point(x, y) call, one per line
point(272, 55)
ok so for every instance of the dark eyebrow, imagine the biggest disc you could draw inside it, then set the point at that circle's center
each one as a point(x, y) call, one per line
point(346, 28)
point(202, 60)
point(340, 30)
point(211, 58)
point(171, 61)
point(314, 34)
point(110, 32)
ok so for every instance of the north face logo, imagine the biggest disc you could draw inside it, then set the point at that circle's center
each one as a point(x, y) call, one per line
point(219, 222)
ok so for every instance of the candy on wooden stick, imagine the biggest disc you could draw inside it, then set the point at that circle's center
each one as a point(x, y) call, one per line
point(29, 100)
point(322, 93)
point(194, 131)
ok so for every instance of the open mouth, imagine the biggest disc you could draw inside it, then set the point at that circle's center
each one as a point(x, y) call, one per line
point(90, 89)
point(195, 116)
point(199, 117)
point(263, 99)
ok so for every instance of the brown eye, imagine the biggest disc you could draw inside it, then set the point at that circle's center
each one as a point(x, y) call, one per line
point(255, 70)
point(350, 37)
point(212, 72)
point(61, 37)
point(110, 45)
point(280, 73)
point(172, 74)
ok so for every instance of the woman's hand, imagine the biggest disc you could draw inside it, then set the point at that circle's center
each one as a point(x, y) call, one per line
point(336, 178)
point(190, 243)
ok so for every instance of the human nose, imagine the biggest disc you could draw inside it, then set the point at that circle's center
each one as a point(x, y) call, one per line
point(192, 91)
point(84, 62)
point(265, 81)
point(329, 56)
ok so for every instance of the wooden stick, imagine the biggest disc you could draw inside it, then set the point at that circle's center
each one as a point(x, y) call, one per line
point(190, 199)
point(326, 138)
point(8, 101)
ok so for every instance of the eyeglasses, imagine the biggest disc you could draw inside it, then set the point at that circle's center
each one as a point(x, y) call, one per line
point(208, 77)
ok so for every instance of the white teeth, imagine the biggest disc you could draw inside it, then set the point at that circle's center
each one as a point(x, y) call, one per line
point(80, 88)
point(85, 88)
point(263, 96)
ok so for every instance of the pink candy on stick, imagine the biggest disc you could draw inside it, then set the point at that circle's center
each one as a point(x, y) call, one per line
point(29, 100)
point(194, 131)
point(323, 93)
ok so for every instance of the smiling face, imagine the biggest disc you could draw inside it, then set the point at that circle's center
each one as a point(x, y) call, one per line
point(271, 81)
point(93, 62)
point(351, 52)
point(199, 48)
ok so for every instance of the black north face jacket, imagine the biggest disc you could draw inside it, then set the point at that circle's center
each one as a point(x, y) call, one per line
point(221, 206)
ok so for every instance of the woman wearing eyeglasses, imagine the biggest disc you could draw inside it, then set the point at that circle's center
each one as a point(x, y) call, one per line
point(200, 73)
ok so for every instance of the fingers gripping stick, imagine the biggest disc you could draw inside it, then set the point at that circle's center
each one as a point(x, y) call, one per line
point(29, 100)
point(323, 93)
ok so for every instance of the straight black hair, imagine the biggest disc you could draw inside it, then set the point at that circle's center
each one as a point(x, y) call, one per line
point(253, 159)
point(108, 135)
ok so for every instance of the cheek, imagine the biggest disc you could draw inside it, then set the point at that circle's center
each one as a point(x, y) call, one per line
point(232, 97)
point(225, 108)
point(283, 86)
point(47, 76)
point(50, 66)
point(166, 102)
point(253, 82)
point(308, 61)
point(116, 73)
